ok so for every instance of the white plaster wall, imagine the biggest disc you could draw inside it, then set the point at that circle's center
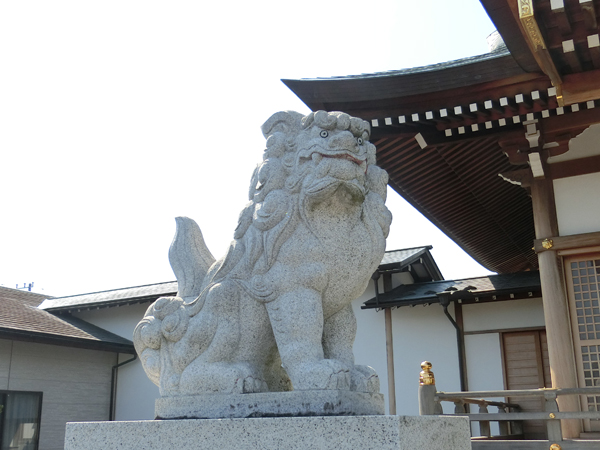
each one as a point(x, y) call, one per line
point(136, 394)
point(484, 362)
point(503, 315)
point(75, 384)
point(423, 333)
point(369, 345)
point(484, 369)
point(420, 333)
point(577, 204)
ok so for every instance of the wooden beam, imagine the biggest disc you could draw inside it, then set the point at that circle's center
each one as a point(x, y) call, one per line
point(581, 87)
point(520, 177)
point(589, 14)
point(574, 167)
point(558, 243)
point(561, 16)
point(570, 53)
point(535, 40)
point(565, 123)
point(593, 43)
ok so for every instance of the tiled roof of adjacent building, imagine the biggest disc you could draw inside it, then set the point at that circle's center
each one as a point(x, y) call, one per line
point(404, 256)
point(392, 259)
point(115, 297)
point(21, 319)
point(493, 287)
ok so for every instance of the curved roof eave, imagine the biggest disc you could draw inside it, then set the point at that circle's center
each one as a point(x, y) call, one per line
point(461, 73)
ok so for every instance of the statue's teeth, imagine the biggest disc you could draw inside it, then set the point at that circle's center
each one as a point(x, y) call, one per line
point(317, 157)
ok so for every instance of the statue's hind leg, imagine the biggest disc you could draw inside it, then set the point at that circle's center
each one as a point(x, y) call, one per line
point(215, 369)
point(297, 321)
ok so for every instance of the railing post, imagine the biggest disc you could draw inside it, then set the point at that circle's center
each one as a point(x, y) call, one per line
point(552, 424)
point(503, 424)
point(516, 426)
point(427, 390)
point(484, 425)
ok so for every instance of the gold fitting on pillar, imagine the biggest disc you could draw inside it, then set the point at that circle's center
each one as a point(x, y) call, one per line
point(547, 244)
point(552, 415)
point(555, 447)
point(426, 376)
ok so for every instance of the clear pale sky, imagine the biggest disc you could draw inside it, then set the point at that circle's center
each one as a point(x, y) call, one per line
point(117, 116)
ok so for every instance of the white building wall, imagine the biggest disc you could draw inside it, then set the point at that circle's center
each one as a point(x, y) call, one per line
point(419, 333)
point(136, 394)
point(483, 350)
point(75, 383)
point(503, 315)
point(577, 205)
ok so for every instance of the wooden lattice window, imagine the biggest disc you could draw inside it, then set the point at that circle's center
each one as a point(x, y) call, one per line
point(583, 286)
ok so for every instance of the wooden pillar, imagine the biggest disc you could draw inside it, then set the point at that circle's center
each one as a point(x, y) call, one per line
point(389, 346)
point(556, 309)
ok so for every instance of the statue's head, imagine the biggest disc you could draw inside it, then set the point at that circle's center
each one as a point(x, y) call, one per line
point(319, 153)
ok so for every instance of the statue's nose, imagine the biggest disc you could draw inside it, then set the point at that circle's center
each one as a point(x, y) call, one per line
point(344, 140)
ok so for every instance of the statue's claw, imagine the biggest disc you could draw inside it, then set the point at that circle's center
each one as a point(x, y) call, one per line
point(323, 374)
point(364, 379)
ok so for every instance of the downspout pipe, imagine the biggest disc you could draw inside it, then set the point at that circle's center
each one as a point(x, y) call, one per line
point(113, 386)
point(445, 302)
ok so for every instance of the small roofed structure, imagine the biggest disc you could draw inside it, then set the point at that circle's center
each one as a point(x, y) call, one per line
point(511, 286)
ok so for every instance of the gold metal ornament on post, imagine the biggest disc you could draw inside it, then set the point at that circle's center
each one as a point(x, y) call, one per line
point(547, 244)
point(426, 377)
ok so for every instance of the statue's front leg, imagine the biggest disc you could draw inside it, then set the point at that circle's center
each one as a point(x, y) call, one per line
point(297, 321)
point(339, 331)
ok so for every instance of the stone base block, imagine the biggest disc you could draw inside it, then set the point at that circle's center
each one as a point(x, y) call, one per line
point(289, 433)
point(270, 404)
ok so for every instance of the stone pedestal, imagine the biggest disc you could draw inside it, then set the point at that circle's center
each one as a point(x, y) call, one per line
point(270, 404)
point(289, 433)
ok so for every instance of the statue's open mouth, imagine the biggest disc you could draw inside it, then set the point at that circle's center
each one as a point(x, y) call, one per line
point(318, 156)
point(346, 156)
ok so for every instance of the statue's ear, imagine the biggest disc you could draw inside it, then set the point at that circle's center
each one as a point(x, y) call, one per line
point(283, 121)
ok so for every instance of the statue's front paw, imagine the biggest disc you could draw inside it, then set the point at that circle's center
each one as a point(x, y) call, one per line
point(364, 379)
point(323, 374)
point(220, 377)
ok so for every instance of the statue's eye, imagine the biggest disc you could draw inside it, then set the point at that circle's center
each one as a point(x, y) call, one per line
point(360, 141)
point(324, 134)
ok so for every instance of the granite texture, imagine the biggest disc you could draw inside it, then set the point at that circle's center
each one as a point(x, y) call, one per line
point(274, 313)
point(289, 433)
point(270, 404)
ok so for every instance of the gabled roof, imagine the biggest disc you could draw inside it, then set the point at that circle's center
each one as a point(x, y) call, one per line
point(115, 297)
point(492, 287)
point(419, 258)
point(20, 319)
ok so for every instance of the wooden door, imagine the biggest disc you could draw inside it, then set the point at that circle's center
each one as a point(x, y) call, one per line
point(526, 366)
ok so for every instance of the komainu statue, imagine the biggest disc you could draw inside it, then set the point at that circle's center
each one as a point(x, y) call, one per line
point(274, 313)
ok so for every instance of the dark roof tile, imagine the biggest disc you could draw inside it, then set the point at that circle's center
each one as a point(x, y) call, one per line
point(21, 319)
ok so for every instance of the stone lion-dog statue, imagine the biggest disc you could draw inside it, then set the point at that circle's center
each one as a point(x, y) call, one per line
point(274, 314)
